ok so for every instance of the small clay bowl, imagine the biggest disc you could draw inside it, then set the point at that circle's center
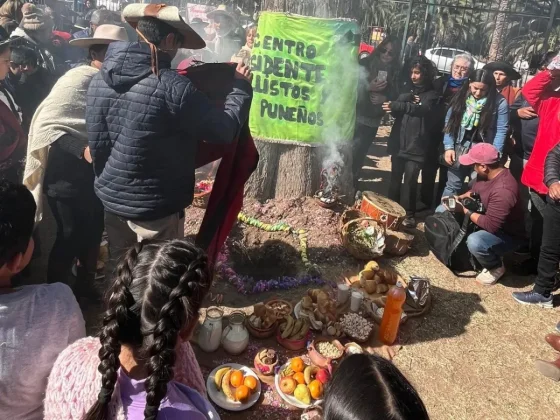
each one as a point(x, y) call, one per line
point(317, 358)
point(265, 369)
point(353, 348)
point(292, 344)
point(289, 306)
point(261, 332)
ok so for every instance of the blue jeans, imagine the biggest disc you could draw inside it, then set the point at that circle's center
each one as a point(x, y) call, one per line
point(455, 180)
point(489, 248)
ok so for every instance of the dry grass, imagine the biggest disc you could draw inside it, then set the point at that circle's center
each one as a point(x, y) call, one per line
point(473, 356)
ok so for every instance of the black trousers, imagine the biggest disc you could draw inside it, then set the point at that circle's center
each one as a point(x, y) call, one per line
point(363, 137)
point(429, 174)
point(79, 226)
point(550, 249)
point(410, 169)
point(538, 205)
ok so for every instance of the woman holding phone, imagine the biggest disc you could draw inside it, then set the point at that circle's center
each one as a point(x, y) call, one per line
point(378, 84)
point(477, 113)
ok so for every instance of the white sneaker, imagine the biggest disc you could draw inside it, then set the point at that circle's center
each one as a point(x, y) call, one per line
point(491, 277)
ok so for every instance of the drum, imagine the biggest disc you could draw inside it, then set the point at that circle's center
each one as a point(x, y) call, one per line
point(379, 207)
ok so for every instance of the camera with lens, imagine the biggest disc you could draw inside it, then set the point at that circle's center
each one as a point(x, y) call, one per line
point(473, 203)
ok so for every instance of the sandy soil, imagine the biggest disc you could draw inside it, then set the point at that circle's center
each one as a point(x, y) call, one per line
point(471, 357)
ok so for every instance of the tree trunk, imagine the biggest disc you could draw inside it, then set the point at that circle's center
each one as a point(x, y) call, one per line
point(496, 51)
point(293, 171)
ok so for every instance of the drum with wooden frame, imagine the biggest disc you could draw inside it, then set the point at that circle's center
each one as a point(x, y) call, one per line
point(378, 207)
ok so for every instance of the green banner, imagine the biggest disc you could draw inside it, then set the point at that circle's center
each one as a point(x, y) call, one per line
point(305, 77)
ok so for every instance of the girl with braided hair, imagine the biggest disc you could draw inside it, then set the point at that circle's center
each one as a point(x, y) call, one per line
point(142, 363)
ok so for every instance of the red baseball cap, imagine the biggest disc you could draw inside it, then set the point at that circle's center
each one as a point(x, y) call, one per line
point(481, 153)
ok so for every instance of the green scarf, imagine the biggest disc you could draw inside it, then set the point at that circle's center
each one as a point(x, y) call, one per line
point(471, 117)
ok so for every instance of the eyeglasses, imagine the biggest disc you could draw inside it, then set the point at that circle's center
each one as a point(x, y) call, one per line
point(385, 51)
point(460, 68)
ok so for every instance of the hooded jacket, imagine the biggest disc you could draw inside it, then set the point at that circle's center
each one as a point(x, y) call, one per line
point(546, 104)
point(143, 131)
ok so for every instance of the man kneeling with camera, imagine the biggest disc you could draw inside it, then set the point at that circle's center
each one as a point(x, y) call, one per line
point(493, 205)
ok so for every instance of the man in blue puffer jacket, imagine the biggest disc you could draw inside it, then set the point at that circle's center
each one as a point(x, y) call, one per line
point(144, 122)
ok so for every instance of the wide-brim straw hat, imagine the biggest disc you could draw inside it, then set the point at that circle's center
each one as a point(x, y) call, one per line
point(507, 68)
point(104, 35)
point(222, 10)
point(168, 14)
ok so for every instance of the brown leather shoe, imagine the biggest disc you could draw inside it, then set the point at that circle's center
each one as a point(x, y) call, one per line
point(553, 340)
point(549, 369)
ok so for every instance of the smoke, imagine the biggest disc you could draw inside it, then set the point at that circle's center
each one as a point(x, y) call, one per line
point(345, 76)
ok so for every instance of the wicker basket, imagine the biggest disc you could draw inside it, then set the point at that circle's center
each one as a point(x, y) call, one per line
point(349, 221)
point(397, 243)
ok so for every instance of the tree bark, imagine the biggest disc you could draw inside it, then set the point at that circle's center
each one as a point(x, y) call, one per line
point(293, 171)
point(496, 51)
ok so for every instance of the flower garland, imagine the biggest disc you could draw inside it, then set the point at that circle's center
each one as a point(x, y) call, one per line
point(247, 285)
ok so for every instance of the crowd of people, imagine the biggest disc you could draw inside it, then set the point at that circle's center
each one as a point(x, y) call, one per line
point(103, 144)
point(95, 126)
point(468, 125)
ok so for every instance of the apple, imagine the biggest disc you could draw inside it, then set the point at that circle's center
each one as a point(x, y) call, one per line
point(288, 385)
point(322, 375)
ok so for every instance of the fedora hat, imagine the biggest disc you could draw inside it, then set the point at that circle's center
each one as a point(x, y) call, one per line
point(104, 34)
point(168, 14)
point(507, 68)
point(222, 10)
point(198, 22)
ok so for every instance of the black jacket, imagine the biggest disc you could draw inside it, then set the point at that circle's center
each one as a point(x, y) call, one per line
point(143, 131)
point(552, 166)
point(525, 131)
point(412, 130)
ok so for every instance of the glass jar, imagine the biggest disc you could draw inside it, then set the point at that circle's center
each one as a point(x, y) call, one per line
point(235, 337)
point(210, 333)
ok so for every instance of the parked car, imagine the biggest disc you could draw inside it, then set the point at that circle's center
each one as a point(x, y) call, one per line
point(442, 57)
point(365, 50)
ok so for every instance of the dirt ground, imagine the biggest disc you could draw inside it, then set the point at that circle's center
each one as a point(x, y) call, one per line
point(471, 357)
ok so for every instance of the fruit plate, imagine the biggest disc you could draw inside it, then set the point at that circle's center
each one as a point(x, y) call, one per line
point(220, 399)
point(288, 398)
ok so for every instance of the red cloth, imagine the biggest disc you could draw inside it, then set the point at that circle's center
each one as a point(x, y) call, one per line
point(10, 126)
point(546, 104)
point(239, 160)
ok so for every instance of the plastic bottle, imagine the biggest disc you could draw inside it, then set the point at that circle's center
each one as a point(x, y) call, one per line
point(392, 314)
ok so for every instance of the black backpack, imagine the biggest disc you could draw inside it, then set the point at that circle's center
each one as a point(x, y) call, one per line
point(447, 240)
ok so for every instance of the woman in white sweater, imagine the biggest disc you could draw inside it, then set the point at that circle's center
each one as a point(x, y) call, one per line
point(59, 166)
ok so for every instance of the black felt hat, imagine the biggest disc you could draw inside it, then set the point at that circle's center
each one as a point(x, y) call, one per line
point(507, 68)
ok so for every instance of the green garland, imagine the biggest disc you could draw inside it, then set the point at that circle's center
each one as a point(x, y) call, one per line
point(300, 234)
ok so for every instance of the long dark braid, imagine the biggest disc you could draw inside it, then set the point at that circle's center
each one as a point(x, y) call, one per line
point(158, 289)
point(115, 320)
point(182, 303)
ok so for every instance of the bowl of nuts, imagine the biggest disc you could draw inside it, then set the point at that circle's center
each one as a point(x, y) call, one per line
point(323, 351)
point(356, 327)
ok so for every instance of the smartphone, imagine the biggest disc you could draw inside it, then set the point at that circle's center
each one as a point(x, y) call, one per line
point(451, 203)
point(381, 76)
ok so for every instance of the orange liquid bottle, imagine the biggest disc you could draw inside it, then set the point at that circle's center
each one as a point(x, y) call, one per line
point(392, 314)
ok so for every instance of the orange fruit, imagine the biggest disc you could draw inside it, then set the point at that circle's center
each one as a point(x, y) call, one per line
point(315, 389)
point(236, 378)
point(250, 382)
point(242, 393)
point(297, 364)
point(299, 377)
